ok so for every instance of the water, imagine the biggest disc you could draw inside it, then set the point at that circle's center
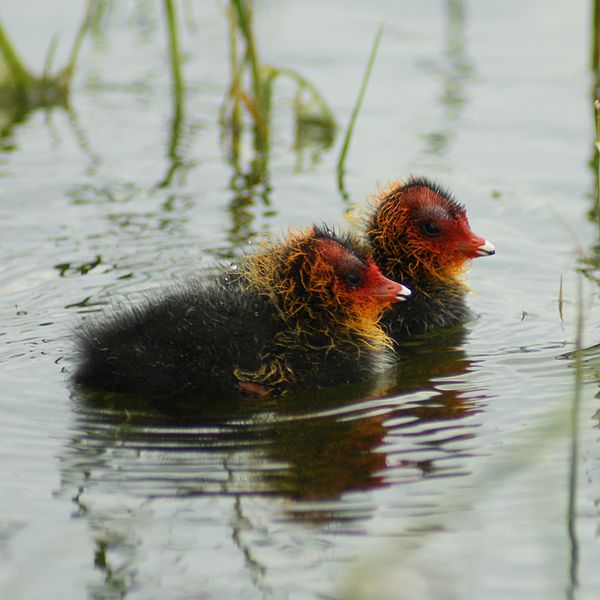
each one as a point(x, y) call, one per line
point(449, 480)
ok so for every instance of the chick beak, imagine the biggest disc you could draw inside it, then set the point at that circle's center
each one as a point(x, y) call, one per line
point(486, 249)
point(403, 293)
point(481, 247)
point(392, 291)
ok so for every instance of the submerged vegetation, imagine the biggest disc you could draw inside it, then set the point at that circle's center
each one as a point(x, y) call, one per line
point(247, 105)
point(22, 91)
point(247, 108)
point(252, 86)
point(249, 101)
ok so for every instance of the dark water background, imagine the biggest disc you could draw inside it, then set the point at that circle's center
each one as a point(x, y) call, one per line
point(450, 479)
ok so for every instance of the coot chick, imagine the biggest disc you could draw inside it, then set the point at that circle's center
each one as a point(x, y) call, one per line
point(303, 313)
point(420, 236)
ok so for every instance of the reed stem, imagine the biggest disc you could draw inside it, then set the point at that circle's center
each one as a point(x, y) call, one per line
point(175, 54)
point(595, 58)
point(178, 92)
point(355, 111)
point(259, 104)
point(235, 91)
point(85, 24)
point(597, 157)
point(574, 448)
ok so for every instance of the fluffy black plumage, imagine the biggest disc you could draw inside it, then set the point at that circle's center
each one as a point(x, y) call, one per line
point(218, 336)
point(180, 345)
point(435, 305)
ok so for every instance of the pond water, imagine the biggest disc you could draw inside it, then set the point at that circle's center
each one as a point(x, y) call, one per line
point(449, 480)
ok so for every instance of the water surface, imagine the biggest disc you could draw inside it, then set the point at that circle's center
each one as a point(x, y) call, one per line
point(448, 478)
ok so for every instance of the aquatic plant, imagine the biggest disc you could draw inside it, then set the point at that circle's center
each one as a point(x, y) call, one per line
point(350, 129)
point(251, 89)
point(595, 68)
point(595, 42)
point(178, 90)
point(591, 264)
point(247, 106)
point(595, 160)
point(21, 90)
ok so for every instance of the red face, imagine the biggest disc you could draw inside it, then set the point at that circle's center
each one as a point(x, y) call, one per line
point(359, 281)
point(425, 229)
point(445, 235)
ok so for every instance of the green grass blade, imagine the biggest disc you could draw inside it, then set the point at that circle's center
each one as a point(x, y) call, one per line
point(314, 92)
point(595, 58)
point(175, 54)
point(244, 17)
point(597, 157)
point(20, 75)
point(177, 95)
point(68, 71)
point(348, 136)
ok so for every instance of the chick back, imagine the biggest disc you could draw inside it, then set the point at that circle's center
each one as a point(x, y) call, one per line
point(187, 343)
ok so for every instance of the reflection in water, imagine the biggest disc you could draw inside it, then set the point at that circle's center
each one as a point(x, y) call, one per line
point(22, 92)
point(311, 137)
point(248, 187)
point(585, 361)
point(10, 117)
point(311, 450)
point(455, 71)
point(250, 179)
point(247, 111)
point(250, 183)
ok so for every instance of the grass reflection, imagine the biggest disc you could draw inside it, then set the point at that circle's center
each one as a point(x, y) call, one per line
point(21, 91)
point(574, 435)
point(455, 71)
point(247, 108)
point(177, 93)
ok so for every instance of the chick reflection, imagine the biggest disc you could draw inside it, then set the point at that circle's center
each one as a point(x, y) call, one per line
point(307, 447)
point(360, 442)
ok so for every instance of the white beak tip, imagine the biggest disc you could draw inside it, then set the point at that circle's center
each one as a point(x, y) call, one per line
point(486, 249)
point(403, 294)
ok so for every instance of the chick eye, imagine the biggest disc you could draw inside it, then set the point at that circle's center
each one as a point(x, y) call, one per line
point(353, 278)
point(430, 228)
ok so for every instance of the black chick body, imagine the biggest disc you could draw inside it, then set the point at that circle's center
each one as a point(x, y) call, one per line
point(180, 345)
point(287, 320)
point(434, 305)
